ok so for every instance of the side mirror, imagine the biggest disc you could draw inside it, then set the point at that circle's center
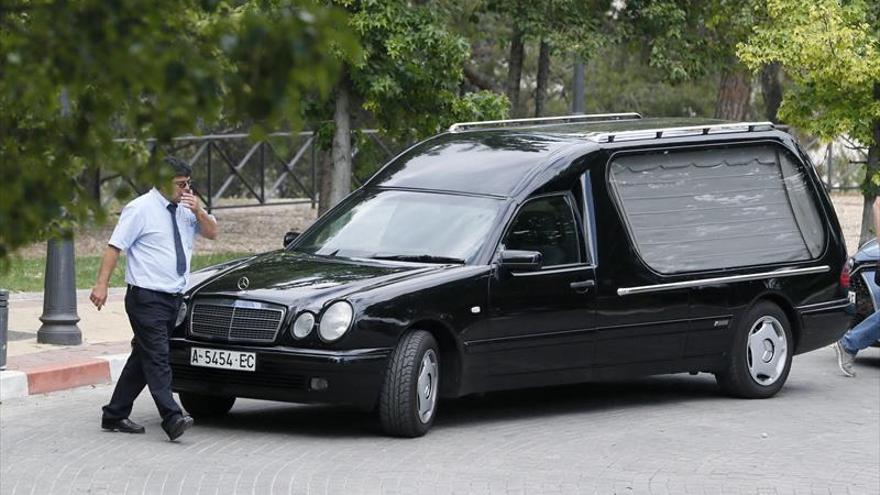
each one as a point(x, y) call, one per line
point(290, 236)
point(521, 261)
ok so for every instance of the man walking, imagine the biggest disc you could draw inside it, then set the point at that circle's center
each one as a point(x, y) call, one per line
point(156, 231)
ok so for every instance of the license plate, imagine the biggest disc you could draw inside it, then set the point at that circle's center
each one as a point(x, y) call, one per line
point(219, 358)
point(852, 296)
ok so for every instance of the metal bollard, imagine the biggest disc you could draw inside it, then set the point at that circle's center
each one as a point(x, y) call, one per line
point(4, 326)
point(59, 297)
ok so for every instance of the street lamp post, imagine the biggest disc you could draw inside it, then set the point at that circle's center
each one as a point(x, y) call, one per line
point(578, 105)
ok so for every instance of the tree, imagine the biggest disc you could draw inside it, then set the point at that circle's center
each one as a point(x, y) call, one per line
point(573, 26)
point(830, 50)
point(407, 81)
point(80, 73)
point(692, 39)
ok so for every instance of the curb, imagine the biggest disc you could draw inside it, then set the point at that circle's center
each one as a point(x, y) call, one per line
point(55, 377)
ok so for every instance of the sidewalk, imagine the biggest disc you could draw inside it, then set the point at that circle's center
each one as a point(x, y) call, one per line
point(33, 368)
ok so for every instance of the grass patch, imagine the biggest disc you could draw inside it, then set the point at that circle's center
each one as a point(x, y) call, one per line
point(26, 275)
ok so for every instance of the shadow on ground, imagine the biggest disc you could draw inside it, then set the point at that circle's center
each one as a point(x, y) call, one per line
point(545, 403)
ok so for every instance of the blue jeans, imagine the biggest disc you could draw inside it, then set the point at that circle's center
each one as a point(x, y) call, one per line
point(862, 335)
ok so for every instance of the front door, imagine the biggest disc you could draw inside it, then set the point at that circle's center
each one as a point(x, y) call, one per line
point(541, 320)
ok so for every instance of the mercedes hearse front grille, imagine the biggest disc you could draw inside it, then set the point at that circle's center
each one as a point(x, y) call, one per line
point(236, 321)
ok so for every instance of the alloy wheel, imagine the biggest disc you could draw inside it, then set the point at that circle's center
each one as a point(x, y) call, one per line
point(767, 351)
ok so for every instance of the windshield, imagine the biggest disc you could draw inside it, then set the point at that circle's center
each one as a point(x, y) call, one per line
point(404, 225)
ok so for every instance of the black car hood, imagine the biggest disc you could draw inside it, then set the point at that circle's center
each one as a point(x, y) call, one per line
point(292, 278)
point(868, 253)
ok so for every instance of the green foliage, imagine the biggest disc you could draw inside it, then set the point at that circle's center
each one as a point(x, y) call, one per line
point(619, 80)
point(77, 74)
point(689, 39)
point(410, 75)
point(830, 51)
point(580, 27)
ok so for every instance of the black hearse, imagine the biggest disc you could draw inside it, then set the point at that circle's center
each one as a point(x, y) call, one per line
point(533, 252)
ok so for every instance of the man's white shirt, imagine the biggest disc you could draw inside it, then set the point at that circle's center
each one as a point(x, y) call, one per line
point(146, 235)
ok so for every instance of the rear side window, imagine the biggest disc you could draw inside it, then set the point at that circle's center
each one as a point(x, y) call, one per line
point(722, 208)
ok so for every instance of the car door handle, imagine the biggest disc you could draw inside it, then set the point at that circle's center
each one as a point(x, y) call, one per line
point(582, 287)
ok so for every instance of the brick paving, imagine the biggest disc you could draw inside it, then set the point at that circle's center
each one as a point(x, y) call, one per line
point(660, 435)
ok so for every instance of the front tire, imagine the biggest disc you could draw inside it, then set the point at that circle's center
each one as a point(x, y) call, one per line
point(408, 400)
point(760, 360)
point(205, 406)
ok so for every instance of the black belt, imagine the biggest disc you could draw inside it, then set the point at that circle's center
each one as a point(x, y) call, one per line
point(135, 288)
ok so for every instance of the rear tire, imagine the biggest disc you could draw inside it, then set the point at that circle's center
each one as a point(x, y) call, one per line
point(760, 360)
point(408, 400)
point(205, 406)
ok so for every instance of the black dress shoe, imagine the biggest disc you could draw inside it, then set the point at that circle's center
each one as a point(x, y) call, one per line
point(124, 425)
point(175, 426)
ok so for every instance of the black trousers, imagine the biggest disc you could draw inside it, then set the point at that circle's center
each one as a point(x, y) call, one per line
point(152, 316)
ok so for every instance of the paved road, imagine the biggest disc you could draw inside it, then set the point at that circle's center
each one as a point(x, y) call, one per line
point(671, 434)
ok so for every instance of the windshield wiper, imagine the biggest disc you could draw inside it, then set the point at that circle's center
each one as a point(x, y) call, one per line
point(420, 258)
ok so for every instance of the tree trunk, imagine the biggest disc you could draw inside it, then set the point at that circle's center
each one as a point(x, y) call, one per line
point(543, 78)
point(734, 93)
point(476, 79)
point(771, 87)
point(514, 70)
point(340, 182)
point(873, 168)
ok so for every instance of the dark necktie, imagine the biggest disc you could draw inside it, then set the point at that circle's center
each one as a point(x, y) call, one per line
point(178, 245)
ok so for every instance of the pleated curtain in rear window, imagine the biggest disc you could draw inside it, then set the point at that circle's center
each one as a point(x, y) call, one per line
point(714, 209)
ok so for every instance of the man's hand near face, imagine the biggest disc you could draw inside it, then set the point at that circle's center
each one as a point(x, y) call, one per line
point(206, 222)
point(191, 201)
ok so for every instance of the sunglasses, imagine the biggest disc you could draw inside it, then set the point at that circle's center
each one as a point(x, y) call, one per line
point(183, 184)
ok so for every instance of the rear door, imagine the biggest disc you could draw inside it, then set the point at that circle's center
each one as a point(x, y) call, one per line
point(638, 330)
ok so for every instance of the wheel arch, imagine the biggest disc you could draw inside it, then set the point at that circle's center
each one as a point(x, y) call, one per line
point(450, 354)
point(788, 308)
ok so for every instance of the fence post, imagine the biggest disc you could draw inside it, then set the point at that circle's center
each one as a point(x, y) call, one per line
point(828, 160)
point(210, 179)
point(314, 171)
point(263, 173)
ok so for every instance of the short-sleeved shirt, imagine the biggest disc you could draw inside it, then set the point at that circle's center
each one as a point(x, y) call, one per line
point(146, 235)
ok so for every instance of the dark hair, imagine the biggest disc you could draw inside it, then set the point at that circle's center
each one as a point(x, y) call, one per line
point(180, 167)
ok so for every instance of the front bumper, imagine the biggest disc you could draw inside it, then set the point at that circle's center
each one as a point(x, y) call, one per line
point(285, 374)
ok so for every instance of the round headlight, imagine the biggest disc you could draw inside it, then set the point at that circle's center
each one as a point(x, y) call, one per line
point(181, 315)
point(335, 321)
point(303, 325)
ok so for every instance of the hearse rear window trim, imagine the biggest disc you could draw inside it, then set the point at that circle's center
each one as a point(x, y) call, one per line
point(806, 240)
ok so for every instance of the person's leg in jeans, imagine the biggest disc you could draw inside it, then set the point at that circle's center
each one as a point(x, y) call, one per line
point(859, 337)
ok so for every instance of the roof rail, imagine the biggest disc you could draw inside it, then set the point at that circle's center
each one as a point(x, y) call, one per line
point(566, 119)
point(670, 132)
